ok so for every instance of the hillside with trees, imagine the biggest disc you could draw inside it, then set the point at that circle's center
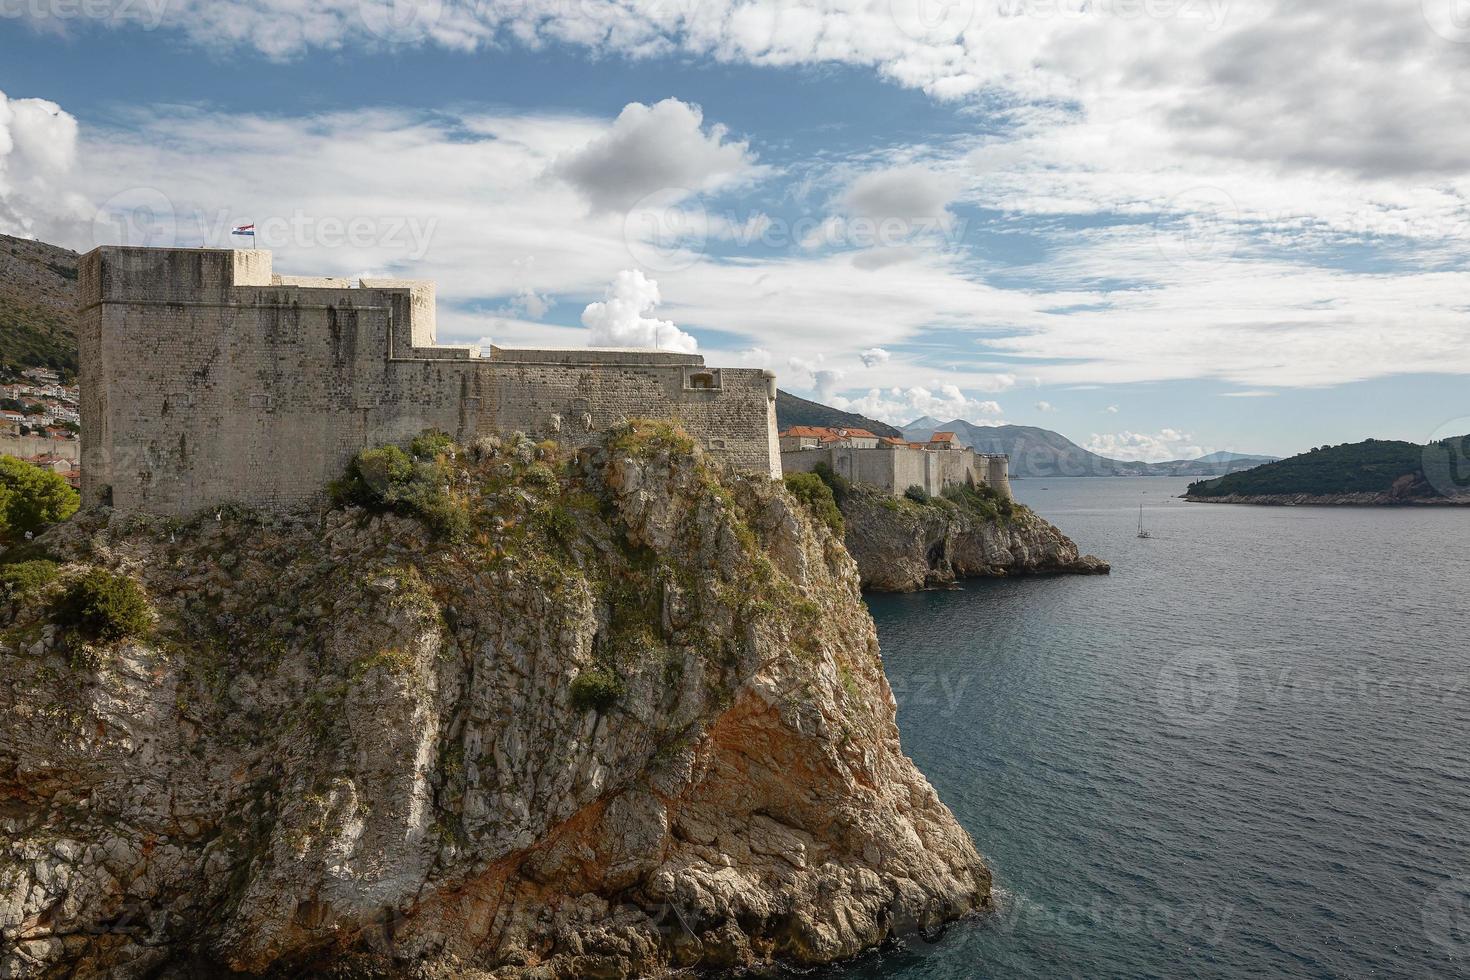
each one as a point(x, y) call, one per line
point(791, 410)
point(1372, 471)
point(37, 303)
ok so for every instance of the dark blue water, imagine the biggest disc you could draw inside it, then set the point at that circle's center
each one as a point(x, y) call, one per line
point(1244, 754)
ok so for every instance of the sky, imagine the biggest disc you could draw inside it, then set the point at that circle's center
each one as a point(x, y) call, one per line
point(1160, 227)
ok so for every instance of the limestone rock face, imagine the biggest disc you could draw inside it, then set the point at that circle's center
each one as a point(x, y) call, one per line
point(900, 546)
point(637, 720)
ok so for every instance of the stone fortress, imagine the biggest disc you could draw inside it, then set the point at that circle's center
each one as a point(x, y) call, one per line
point(894, 465)
point(207, 379)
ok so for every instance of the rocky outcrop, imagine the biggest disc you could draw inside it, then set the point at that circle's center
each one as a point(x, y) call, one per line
point(901, 546)
point(636, 719)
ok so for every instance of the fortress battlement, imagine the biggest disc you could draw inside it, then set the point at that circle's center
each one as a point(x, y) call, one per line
point(208, 379)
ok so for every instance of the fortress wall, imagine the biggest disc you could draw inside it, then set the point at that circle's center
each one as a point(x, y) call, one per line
point(895, 470)
point(205, 380)
point(24, 446)
point(910, 468)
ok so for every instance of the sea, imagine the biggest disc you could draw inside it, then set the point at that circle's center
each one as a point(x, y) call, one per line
point(1246, 753)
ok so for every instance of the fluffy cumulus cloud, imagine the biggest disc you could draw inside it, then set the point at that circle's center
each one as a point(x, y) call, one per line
point(621, 319)
point(1146, 447)
point(874, 356)
point(1044, 406)
point(38, 149)
point(813, 375)
point(651, 149)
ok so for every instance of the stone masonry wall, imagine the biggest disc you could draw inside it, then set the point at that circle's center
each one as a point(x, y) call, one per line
point(896, 469)
point(208, 380)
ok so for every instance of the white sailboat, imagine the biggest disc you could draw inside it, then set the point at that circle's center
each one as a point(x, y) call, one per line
point(1142, 531)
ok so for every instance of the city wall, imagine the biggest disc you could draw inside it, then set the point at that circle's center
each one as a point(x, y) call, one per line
point(895, 469)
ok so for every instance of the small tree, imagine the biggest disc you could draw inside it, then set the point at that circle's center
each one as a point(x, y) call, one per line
point(596, 689)
point(26, 577)
point(31, 499)
point(917, 494)
point(104, 606)
point(811, 490)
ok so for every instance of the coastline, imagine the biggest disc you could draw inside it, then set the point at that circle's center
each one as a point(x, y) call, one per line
point(1326, 500)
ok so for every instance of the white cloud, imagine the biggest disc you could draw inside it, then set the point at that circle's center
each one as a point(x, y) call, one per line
point(1253, 393)
point(874, 356)
point(911, 194)
point(38, 149)
point(1158, 447)
point(1111, 410)
point(899, 406)
point(620, 321)
point(821, 380)
point(663, 147)
point(1044, 406)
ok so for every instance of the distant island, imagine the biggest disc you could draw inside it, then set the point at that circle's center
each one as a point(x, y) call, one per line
point(1372, 472)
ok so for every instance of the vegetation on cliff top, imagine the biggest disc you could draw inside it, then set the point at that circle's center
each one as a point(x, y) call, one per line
point(31, 499)
point(817, 496)
point(1375, 466)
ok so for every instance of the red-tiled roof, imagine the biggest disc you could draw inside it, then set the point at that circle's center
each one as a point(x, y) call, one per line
point(942, 437)
point(806, 432)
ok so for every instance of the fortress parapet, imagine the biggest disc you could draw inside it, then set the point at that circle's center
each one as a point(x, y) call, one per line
point(207, 379)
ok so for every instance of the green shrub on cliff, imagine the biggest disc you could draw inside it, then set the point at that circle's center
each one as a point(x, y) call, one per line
point(597, 689)
point(27, 577)
point(389, 479)
point(917, 494)
point(431, 444)
point(103, 606)
point(982, 500)
point(31, 499)
point(648, 437)
point(816, 496)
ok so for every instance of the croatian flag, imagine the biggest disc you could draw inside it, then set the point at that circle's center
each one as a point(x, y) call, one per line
point(244, 230)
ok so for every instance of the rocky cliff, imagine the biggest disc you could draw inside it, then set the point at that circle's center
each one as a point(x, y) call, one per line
point(900, 545)
point(632, 717)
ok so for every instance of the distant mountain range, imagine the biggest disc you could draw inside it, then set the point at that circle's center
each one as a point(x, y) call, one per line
point(1041, 453)
point(38, 284)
